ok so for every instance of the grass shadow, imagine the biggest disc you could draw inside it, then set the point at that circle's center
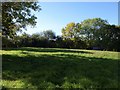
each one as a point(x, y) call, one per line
point(48, 50)
point(68, 71)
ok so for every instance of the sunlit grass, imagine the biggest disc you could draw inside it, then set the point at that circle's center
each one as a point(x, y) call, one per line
point(59, 68)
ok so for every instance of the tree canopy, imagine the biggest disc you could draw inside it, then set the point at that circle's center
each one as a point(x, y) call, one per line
point(94, 32)
point(16, 16)
point(49, 34)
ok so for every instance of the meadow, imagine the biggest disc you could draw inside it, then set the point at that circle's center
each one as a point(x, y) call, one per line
point(51, 68)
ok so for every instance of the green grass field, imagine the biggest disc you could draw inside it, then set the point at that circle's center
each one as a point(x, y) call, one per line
point(59, 68)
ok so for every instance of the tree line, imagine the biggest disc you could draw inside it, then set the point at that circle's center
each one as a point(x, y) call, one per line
point(93, 33)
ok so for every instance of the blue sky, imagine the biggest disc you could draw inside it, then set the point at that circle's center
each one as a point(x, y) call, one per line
point(56, 15)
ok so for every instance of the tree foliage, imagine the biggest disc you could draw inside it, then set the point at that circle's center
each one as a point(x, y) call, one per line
point(91, 33)
point(16, 16)
point(71, 31)
point(49, 34)
point(93, 30)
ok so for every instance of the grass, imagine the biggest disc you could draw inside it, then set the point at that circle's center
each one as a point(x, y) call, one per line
point(51, 68)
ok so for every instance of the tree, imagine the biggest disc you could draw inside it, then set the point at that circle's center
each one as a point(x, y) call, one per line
point(93, 31)
point(25, 40)
point(49, 34)
point(59, 41)
point(38, 40)
point(69, 31)
point(72, 36)
point(16, 16)
point(112, 38)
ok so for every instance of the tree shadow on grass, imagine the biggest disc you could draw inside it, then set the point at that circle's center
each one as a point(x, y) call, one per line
point(67, 71)
point(48, 50)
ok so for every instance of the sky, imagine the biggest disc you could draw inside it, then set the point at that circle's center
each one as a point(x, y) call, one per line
point(56, 15)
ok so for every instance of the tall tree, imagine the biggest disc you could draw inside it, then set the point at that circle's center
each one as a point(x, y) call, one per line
point(69, 31)
point(94, 30)
point(72, 36)
point(16, 16)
